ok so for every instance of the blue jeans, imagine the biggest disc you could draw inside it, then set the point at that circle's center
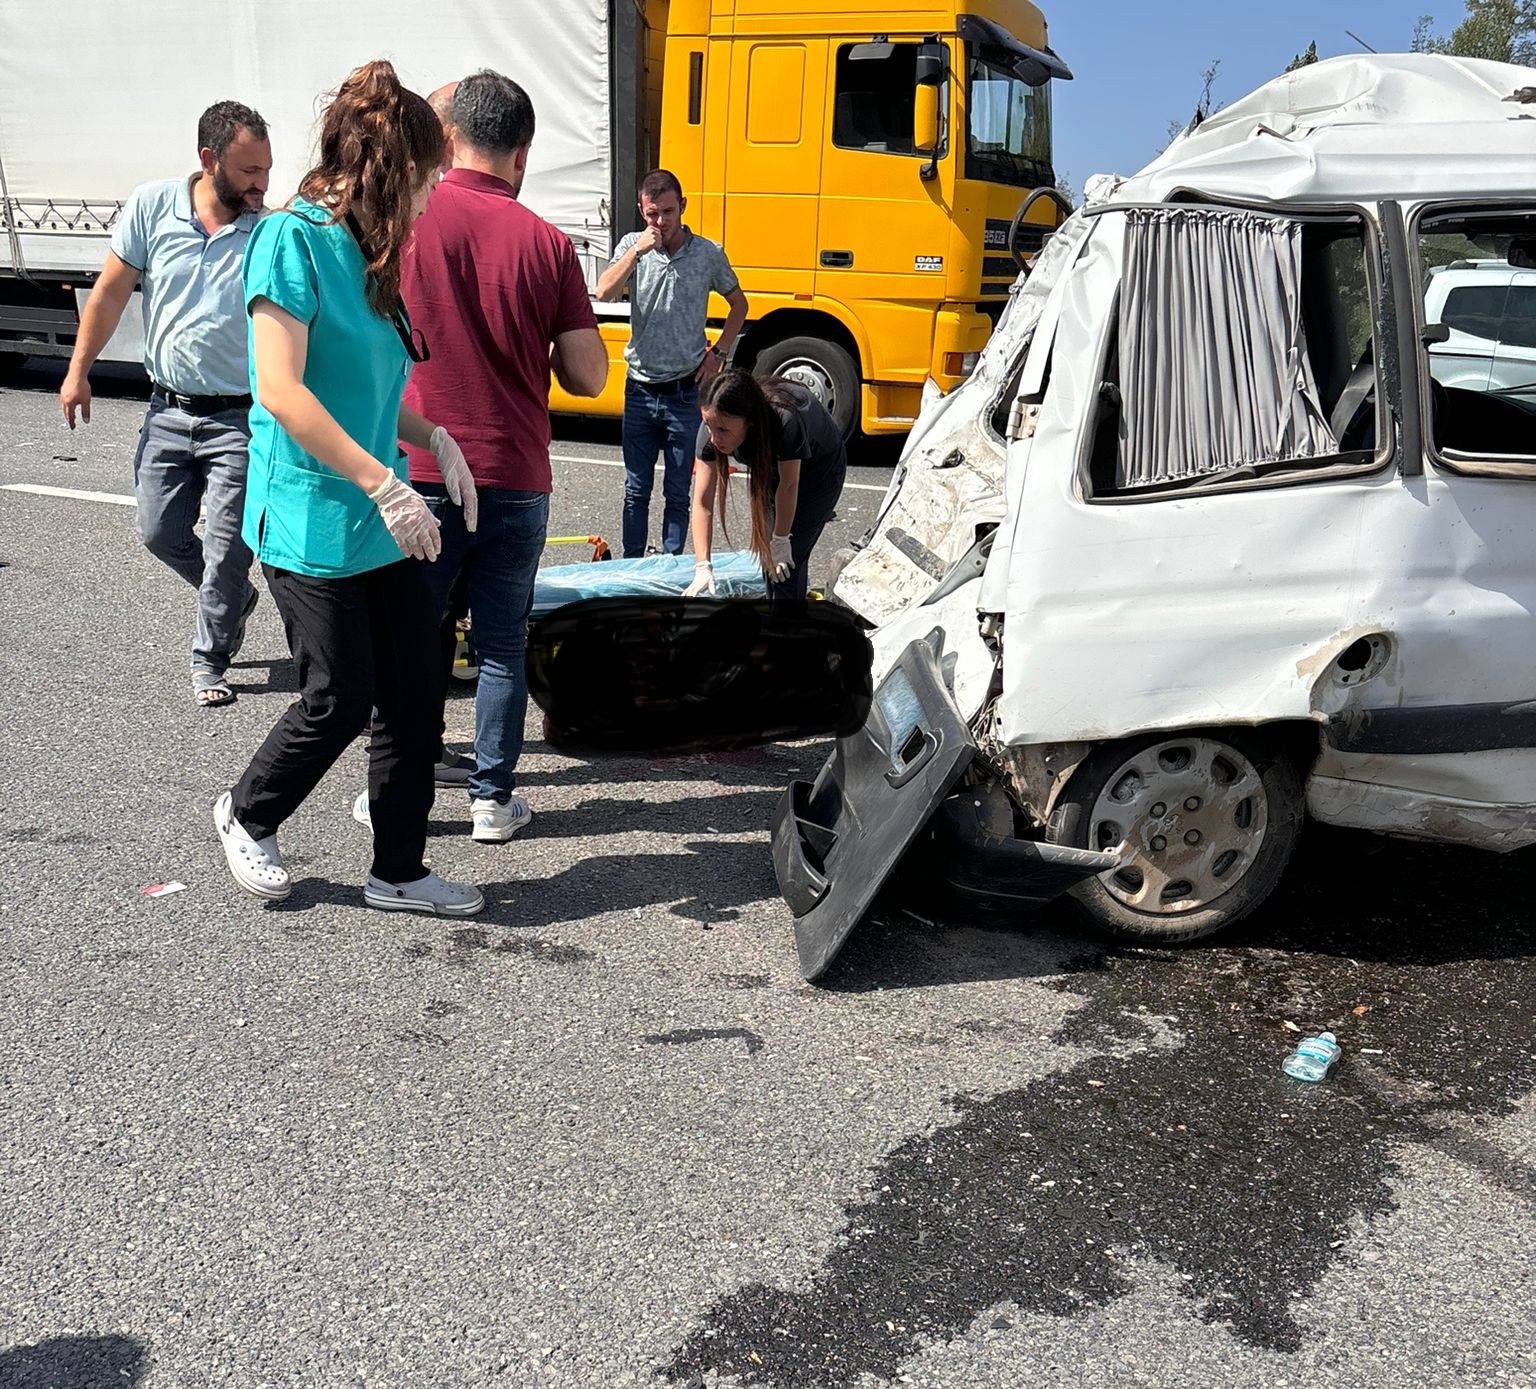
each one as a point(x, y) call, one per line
point(669, 425)
point(501, 560)
point(184, 462)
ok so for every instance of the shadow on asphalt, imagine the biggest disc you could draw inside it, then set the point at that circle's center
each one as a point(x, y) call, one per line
point(75, 1362)
point(281, 677)
point(1178, 1142)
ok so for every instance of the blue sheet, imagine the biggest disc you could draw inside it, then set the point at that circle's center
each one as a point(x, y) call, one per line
point(738, 574)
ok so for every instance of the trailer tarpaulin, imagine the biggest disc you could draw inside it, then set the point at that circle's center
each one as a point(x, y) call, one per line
point(97, 96)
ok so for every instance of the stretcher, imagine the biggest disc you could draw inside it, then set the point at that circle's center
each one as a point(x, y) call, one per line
point(738, 574)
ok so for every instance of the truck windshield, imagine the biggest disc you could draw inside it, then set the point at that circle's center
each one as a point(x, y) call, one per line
point(1008, 134)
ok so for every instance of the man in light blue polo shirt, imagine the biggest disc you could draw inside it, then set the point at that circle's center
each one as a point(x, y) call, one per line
point(673, 273)
point(185, 238)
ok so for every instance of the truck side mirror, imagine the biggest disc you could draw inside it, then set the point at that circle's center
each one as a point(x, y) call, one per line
point(931, 71)
point(925, 121)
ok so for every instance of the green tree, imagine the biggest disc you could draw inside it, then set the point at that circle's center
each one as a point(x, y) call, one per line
point(1303, 60)
point(1206, 105)
point(1503, 30)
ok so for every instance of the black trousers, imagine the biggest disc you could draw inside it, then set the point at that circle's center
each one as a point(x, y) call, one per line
point(362, 644)
point(811, 517)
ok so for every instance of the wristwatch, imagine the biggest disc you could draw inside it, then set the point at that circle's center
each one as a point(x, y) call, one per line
point(718, 353)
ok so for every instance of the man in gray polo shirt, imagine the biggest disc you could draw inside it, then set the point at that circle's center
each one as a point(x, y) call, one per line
point(186, 238)
point(668, 356)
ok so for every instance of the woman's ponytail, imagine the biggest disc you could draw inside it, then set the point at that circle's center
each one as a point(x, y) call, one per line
point(371, 135)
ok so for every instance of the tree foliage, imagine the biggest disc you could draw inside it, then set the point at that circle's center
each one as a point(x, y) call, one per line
point(1205, 105)
point(1303, 60)
point(1503, 30)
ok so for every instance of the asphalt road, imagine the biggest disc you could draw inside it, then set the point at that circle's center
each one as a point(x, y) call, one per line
point(604, 1134)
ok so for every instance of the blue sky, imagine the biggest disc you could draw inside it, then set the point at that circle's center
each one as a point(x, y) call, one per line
point(1138, 66)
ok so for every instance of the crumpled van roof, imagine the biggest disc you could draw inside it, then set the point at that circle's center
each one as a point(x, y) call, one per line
point(1368, 128)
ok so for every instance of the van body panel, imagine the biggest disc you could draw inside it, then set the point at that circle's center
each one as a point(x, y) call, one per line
point(1385, 602)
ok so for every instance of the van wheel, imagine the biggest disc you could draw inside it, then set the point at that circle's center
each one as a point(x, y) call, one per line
point(824, 368)
point(1208, 822)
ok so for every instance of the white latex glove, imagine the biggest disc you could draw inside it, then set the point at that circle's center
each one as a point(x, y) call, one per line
point(408, 519)
point(457, 478)
point(783, 564)
point(703, 581)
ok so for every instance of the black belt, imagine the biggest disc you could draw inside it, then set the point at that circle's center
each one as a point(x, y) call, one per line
point(673, 387)
point(202, 404)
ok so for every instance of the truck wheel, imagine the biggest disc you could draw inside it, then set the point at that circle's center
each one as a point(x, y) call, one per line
point(1208, 822)
point(825, 368)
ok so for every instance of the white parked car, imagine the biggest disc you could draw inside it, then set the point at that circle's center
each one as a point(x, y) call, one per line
point(1488, 309)
point(1214, 539)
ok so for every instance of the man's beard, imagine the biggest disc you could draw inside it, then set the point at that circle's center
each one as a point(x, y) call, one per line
point(227, 194)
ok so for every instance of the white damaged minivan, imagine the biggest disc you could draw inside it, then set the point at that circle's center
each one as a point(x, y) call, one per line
point(1205, 545)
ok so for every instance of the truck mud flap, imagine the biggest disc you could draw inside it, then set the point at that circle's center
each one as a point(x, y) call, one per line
point(838, 838)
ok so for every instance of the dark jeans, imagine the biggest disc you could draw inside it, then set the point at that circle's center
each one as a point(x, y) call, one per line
point(365, 642)
point(500, 562)
point(666, 424)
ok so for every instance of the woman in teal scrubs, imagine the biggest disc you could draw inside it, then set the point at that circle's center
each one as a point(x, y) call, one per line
point(341, 536)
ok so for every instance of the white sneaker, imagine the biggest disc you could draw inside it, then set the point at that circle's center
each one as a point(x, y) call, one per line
point(429, 894)
point(360, 811)
point(495, 823)
point(256, 864)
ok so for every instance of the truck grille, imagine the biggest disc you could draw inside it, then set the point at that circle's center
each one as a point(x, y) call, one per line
point(998, 272)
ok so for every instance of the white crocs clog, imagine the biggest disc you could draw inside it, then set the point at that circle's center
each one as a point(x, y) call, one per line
point(256, 864)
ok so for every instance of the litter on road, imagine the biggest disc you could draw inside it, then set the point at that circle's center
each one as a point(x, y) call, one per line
point(163, 889)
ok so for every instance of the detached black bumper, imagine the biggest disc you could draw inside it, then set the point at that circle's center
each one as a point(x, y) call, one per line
point(837, 839)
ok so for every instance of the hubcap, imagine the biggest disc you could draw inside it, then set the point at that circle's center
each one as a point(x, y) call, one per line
point(1189, 815)
point(810, 373)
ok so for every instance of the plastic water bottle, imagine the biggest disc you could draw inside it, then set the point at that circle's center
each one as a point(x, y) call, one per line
point(1313, 1058)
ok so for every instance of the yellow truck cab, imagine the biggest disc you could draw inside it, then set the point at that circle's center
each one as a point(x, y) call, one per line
point(861, 165)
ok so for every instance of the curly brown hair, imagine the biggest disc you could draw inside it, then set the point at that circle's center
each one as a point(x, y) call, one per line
point(371, 134)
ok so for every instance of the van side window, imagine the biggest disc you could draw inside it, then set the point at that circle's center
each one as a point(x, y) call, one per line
point(1479, 276)
point(1242, 350)
point(875, 97)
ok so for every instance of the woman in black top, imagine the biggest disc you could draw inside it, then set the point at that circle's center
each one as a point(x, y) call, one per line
point(794, 451)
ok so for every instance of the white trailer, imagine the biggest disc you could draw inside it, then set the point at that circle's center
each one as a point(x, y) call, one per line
point(97, 96)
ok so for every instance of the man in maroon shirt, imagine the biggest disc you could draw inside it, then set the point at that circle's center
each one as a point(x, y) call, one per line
point(498, 295)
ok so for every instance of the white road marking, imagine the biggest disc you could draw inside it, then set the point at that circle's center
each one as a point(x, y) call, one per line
point(76, 493)
point(124, 499)
point(619, 463)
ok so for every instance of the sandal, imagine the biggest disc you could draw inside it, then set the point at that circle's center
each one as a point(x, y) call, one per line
point(256, 864)
point(210, 690)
